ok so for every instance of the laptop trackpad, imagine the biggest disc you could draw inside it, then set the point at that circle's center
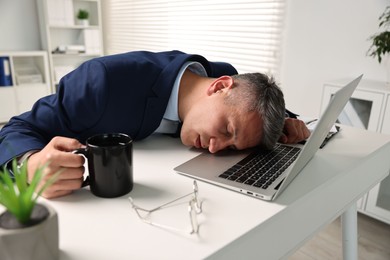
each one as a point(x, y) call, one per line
point(207, 165)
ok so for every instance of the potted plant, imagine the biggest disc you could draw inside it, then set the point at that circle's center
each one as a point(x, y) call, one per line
point(380, 46)
point(82, 17)
point(28, 230)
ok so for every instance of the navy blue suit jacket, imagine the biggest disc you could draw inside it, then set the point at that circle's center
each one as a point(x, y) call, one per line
point(125, 93)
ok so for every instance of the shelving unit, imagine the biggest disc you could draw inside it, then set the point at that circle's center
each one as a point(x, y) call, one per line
point(368, 108)
point(30, 80)
point(68, 42)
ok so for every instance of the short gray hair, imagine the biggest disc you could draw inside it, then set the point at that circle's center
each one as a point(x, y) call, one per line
point(259, 92)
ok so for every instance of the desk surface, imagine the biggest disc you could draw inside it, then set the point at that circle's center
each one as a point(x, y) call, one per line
point(232, 224)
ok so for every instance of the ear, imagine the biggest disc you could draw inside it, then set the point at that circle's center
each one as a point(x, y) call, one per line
point(224, 82)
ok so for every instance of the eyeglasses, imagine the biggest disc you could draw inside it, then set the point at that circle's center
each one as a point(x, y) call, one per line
point(194, 208)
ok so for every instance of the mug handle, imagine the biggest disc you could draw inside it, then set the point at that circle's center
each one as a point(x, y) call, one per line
point(83, 151)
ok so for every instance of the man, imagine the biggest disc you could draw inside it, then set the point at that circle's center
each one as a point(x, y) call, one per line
point(139, 93)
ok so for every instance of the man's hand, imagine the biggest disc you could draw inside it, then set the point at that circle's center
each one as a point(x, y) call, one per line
point(294, 131)
point(58, 157)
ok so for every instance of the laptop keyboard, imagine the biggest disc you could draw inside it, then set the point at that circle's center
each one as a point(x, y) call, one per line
point(262, 168)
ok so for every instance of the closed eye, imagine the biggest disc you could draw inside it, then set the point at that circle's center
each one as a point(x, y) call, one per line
point(228, 132)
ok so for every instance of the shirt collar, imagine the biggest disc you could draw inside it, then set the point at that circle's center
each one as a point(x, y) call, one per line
point(172, 112)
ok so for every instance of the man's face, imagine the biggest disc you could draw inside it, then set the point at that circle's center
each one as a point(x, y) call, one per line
point(214, 125)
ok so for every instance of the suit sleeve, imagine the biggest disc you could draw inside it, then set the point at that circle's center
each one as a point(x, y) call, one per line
point(74, 109)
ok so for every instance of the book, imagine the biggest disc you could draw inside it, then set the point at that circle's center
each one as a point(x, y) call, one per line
point(60, 12)
point(28, 74)
point(91, 39)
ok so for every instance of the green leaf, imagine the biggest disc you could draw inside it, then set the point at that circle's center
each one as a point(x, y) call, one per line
point(34, 184)
point(21, 202)
point(8, 185)
point(381, 41)
point(8, 194)
point(22, 177)
point(48, 183)
point(6, 200)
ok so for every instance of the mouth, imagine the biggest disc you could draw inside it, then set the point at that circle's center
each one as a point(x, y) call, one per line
point(197, 142)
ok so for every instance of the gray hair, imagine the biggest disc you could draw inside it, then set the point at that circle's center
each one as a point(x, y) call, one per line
point(259, 92)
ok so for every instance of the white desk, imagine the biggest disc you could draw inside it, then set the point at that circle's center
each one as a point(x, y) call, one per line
point(232, 225)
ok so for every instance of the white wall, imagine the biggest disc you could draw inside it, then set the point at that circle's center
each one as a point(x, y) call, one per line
point(327, 40)
point(19, 25)
point(323, 40)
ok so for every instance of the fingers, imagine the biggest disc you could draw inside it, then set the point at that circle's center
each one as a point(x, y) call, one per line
point(295, 131)
point(64, 173)
point(64, 159)
point(283, 139)
point(65, 144)
point(67, 180)
point(55, 194)
point(56, 157)
point(62, 187)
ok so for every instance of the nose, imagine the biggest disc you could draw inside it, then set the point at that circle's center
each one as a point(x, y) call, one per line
point(217, 144)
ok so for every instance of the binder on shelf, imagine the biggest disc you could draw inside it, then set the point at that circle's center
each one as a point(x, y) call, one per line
point(92, 41)
point(28, 74)
point(5, 72)
point(60, 12)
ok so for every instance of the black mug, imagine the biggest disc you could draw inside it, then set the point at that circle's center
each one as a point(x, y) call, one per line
point(110, 164)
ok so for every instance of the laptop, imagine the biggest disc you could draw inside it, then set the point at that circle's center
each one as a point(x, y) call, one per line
point(265, 174)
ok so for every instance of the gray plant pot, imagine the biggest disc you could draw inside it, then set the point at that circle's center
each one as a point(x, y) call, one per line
point(37, 242)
